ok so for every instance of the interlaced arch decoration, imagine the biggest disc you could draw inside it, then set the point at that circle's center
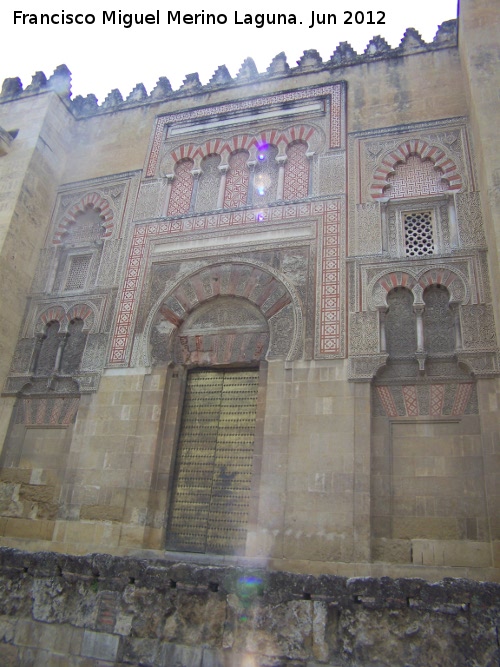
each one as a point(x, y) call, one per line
point(92, 200)
point(405, 152)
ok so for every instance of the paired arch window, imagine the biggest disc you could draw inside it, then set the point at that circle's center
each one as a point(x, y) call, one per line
point(61, 352)
point(430, 329)
point(241, 181)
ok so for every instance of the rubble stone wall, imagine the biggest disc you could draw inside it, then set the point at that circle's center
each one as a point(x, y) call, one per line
point(103, 610)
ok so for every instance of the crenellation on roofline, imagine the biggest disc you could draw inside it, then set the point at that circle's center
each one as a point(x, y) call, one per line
point(344, 56)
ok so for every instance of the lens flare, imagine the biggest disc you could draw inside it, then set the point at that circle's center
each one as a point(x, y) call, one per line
point(261, 152)
point(262, 182)
point(248, 661)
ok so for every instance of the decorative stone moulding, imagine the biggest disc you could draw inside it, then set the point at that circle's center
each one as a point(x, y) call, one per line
point(382, 284)
point(266, 290)
point(480, 364)
point(64, 314)
point(363, 368)
point(93, 200)
point(387, 166)
point(53, 385)
point(248, 142)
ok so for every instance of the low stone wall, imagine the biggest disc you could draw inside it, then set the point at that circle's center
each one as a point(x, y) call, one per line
point(104, 610)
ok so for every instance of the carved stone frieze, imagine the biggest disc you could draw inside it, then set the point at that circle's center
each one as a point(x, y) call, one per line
point(429, 399)
point(368, 240)
point(478, 327)
point(470, 220)
point(280, 325)
point(88, 382)
point(109, 264)
point(149, 202)
point(363, 333)
point(481, 364)
point(364, 368)
point(23, 355)
point(332, 174)
point(94, 356)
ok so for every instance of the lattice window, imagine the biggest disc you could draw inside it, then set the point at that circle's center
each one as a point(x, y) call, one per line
point(415, 178)
point(296, 172)
point(419, 233)
point(182, 188)
point(78, 271)
point(236, 192)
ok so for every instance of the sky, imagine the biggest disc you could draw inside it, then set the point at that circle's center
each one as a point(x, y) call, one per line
point(103, 56)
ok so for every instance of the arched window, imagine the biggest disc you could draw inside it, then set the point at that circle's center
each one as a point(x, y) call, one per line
point(48, 351)
point(73, 350)
point(182, 188)
point(208, 188)
point(238, 176)
point(439, 321)
point(400, 324)
point(296, 172)
point(86, 228)
point(415, 178)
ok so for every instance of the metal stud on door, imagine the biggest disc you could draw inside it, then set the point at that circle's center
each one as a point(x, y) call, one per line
point(209, 511)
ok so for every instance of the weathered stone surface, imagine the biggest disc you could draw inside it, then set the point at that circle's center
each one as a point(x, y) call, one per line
point(125, 611)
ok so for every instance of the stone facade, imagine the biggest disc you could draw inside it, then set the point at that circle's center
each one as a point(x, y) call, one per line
point(331, 230)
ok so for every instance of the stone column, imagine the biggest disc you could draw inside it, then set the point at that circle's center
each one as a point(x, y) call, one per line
point(383, 340)
point(452, 222)
point(420, 354)
point(196, 175)
point(281, 159)
point(60, 350)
